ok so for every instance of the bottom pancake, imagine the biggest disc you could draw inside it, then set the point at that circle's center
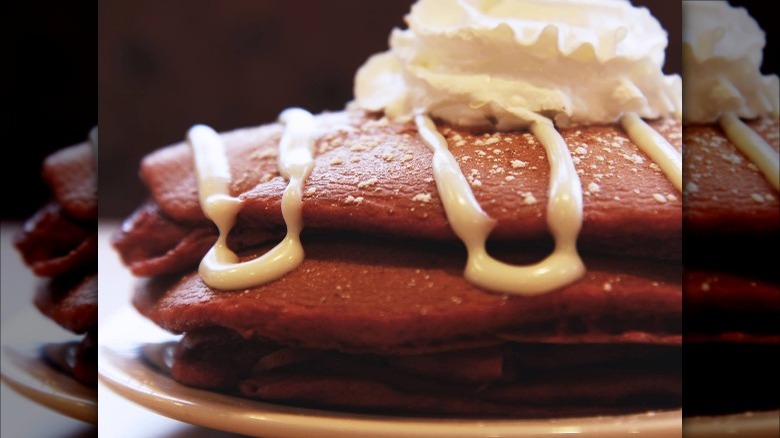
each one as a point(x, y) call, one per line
point(76, 358)
point(735, 377)
point(72, 302)
point(512, 379)
point(731, 327)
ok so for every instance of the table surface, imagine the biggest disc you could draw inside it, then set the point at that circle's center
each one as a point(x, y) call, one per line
point(22, 417)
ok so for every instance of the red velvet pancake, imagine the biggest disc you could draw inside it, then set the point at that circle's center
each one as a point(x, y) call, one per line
point(60, 243)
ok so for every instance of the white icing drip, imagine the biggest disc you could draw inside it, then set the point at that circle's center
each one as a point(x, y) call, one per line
point(220, 268)
point(754, 146)
point(473, 226)
point(655, 146)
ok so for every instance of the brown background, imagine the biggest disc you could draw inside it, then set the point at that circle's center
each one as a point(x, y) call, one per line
point(166, 65)
point(49, 101)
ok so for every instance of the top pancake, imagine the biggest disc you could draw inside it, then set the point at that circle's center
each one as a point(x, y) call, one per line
point(725, 193)
point(70, 174)
point(62, 236)
point(376, 177)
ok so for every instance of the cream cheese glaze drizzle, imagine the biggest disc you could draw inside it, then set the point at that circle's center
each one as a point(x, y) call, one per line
point(475, 63)
point(473, 226)
point(220, 267)
point(753, 146)
point(415, 90)
point(655, 146)
point(722, 53)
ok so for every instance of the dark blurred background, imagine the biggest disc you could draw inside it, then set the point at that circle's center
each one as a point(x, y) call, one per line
point(49, 79)
point(166, 65)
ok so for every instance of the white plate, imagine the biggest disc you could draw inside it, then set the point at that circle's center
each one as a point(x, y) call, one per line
point(122, 368)
point(24, 369)
point(747, 425)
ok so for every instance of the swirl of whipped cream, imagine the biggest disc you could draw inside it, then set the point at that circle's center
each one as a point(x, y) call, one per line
point(500, 63)
point(722, 53)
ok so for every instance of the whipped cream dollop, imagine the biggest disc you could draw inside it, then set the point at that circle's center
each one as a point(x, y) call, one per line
point(722, 54)
point(502, 63)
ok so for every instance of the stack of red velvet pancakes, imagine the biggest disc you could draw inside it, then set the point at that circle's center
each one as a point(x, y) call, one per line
point(732, 287)
point(60, 243)
point(378, 316)
point(731, 213)
point(482, 232)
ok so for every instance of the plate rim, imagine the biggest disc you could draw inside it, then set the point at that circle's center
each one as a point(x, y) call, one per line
point(25, 372)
